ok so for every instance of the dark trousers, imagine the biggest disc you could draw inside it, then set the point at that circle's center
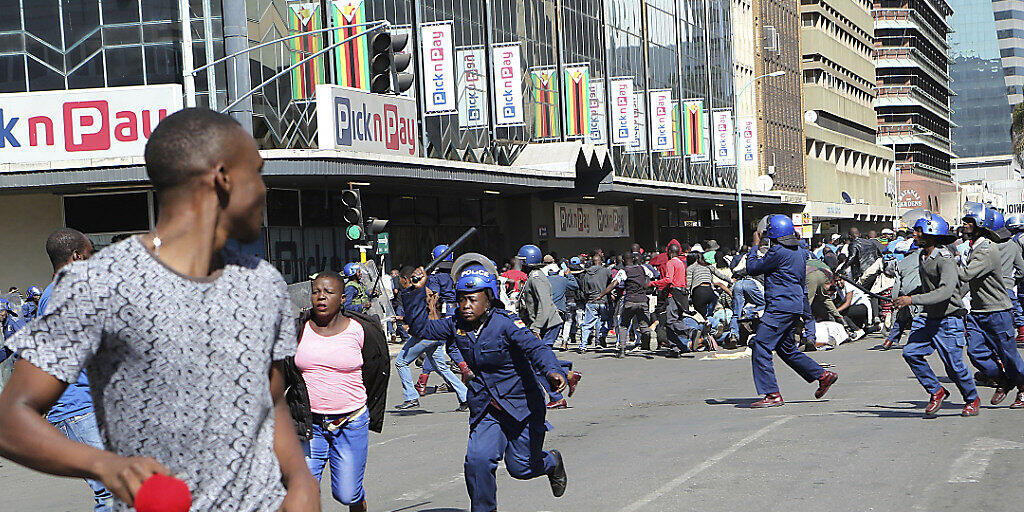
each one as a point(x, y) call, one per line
point(775, 334)
point(634, 316)
point(498, 435)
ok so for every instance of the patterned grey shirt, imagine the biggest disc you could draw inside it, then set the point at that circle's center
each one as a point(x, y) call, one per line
point(178, 366)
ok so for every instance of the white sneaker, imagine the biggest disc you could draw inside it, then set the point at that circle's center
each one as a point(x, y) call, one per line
point(858, 334)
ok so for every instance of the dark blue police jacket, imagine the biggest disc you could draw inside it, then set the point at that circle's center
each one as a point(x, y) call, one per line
point(500, 356)
point(785, 271)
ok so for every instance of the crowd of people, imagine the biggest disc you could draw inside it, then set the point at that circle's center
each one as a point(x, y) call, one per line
point(126, 351)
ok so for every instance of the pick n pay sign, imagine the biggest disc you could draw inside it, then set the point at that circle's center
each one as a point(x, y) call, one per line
point(82, 123)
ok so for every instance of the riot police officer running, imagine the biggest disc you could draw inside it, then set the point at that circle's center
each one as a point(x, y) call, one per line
point(784, 267)
point(496, 354)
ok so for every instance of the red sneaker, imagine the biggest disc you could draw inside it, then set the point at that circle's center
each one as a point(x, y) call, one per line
point(824, 382)
point(559, 404)
point(1019, 402)
point(935, 403)
point(421, 384)
point(887, 344)
point(769, 400)
point(971, 408)
point(1020, 334)
point(572, 380)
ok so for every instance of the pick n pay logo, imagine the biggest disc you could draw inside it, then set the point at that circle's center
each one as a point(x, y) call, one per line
point(85, 126)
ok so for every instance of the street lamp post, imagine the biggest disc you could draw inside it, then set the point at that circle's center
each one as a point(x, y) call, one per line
point(736, 128)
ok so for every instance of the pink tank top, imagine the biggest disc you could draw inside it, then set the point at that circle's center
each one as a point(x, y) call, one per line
point(332, 367)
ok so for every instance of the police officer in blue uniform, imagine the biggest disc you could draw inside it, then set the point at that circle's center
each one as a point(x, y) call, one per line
point(356, 297)
point(31, 305)
point(940, 326)
point(496, 354)
point(784, 267)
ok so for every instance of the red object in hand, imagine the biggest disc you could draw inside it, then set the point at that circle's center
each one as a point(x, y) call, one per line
point(160, 493)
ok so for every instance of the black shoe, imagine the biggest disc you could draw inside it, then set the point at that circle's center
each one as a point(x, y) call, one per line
point(463, 407)
point(408, 404)
point(557, 476)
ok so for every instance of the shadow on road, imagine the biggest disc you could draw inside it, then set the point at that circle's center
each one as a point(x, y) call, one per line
point(417, 505)
point(913, 409)
point(741, 403)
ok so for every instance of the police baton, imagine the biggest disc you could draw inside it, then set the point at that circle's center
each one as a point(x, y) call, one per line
point(451, 248)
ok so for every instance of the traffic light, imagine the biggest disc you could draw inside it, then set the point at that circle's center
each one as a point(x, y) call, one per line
point(352, 214)
point(388, 63)
point(375, 226)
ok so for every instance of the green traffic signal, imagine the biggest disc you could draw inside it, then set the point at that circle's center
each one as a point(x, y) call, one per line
point(354, 232)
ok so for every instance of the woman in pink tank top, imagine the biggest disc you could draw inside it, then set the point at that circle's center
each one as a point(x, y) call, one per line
point(331, 361)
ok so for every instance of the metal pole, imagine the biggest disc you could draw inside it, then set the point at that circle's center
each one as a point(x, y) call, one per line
point(299, 63)
point(211, 78)
point(188, 75)
point(236, 39)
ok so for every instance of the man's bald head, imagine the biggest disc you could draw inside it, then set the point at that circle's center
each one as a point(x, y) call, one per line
point(187, 144)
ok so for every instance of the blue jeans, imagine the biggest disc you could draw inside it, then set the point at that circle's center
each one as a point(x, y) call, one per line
point(570, 325)
point(1018, 312)
point(435, 354)
point(745, 292)
point(593, 322)
point(83, 429)
point(947, 336)
point(345, 449)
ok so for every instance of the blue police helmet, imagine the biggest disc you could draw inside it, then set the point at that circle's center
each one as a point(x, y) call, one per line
point(474, 277)
point(934, 225)
point(351, 269)
point(437, 252)
point(778, 226)
point(978, 213)
point(530, 254)
point(34, 291)
point(1015, 222)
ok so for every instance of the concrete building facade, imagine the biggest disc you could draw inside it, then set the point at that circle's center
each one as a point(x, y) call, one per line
point(850, 178)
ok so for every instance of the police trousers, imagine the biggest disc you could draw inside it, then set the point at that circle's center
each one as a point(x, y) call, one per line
point(991, 339)
point(498, 435)
point(947, 337)
point(775, 334)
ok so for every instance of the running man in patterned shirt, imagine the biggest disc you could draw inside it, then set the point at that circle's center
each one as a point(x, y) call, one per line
point(182, 341)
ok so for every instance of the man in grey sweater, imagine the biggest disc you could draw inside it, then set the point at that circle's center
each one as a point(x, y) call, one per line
point(990, 337)
point(940, 327)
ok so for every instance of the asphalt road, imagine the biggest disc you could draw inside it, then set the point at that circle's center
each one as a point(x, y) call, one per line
point(654, 434)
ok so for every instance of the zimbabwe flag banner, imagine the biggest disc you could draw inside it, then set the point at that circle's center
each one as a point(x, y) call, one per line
point(693, 128)
point(352, 59)
point(577, 88)
point(544, 82)
point(305, 17)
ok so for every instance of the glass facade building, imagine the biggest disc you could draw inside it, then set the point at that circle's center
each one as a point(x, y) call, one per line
point(981, 108)
point(680, 45)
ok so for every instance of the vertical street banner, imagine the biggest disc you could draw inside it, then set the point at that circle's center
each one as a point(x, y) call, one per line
point(748, 140)
point(677, 131)
point(305, 17)
point(638, 144)
point(693, 129)
point(472, 86)
point(661, 120)
point(544, 83)
point(576, 78)
point(352, 59)
point(722, 137)
point(598, 131)
point(622, 110)
point(507, 74)
point(437, 58)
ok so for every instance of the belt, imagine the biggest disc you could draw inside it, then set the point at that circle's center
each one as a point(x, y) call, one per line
point(332, 422)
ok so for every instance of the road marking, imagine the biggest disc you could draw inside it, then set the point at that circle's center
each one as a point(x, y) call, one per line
point(714, 459)
point(386, 441)
point(971, 466)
